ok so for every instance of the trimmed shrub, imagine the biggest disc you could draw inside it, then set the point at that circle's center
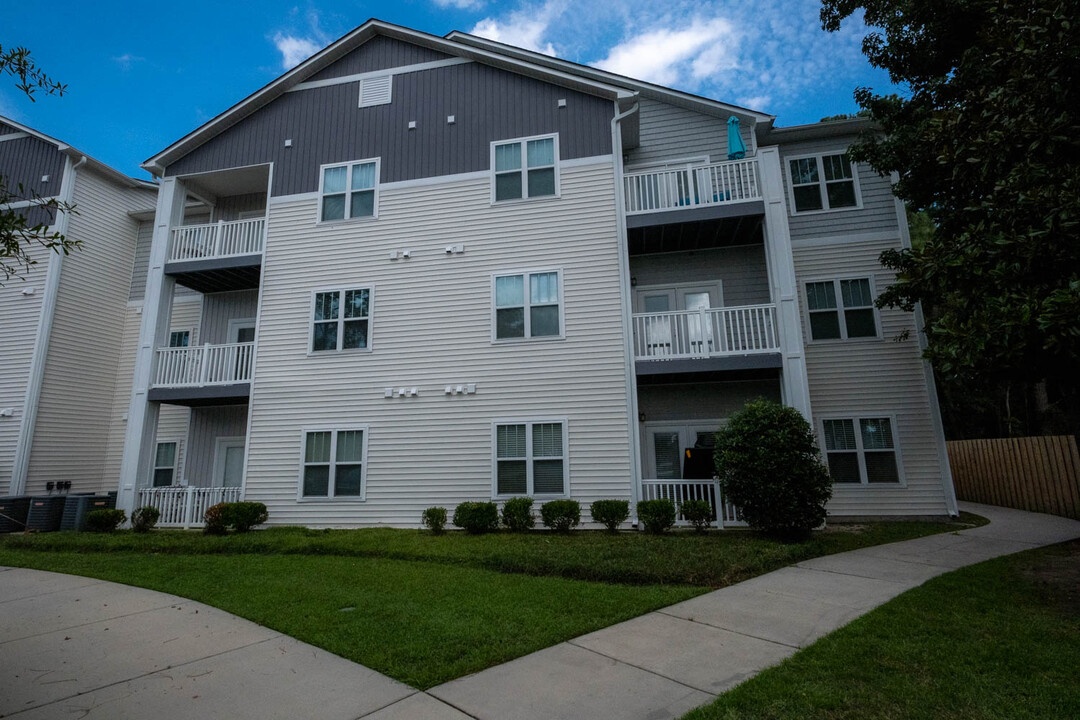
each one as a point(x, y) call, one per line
point(434, 519)
point(144, 519)
point(214, 520)
point(610, 513)
point(477, 518)
point(656, 515)
point(697, 512)
point(517, 514)
point(561, 515)
point(770, 468)
point(105, 520)
point(242, 516)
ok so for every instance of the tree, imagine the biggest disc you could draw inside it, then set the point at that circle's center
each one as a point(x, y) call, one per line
point(25, 218)
point(986, 143)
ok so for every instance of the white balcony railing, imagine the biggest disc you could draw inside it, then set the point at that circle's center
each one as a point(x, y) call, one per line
point(717, 332)
point(184, 506)
point(203, 365)
point(678, 491)
point(675, 188)
point(217, 240)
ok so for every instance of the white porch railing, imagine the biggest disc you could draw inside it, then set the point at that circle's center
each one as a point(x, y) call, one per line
point(184, 506)
point(217, 240)
point(716, 332)
point(674, 188)
point(678, 491)
point(203, 365)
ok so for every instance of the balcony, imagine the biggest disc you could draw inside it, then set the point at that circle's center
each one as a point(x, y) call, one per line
point(730, 338)
point(692, 192)
point(217, 257)
point(203, 375)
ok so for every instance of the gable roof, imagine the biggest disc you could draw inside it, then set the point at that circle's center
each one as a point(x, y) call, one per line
point(351, 41)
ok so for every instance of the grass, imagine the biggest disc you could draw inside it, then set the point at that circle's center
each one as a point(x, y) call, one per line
point(997, 640)
point(425, 609)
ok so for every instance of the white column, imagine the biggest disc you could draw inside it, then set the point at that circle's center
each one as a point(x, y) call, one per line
point(782, 285)
point(141, 432)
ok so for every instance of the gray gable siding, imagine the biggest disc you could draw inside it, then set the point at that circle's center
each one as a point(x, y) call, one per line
point(326, 126)
point(878, 213)
point(379, 53)
point(26, 160)
point(6, 129)
point(220, 308)
point(668, 132)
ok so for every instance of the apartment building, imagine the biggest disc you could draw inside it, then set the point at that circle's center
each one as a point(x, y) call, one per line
point(422, 270)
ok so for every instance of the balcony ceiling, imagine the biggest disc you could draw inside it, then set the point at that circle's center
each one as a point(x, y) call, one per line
point(222, 183)
point(696, 235)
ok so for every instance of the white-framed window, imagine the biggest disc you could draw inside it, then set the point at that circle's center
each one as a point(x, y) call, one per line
point(862, 450)
point(841, 309)
point(819, 183)
point(179, 338)
point(527, 305)
point(349, 190)
point(529, 458)
point(341, 319)
point(333, 463)
point(376, 90)
point(525, 168)
point(166, 456)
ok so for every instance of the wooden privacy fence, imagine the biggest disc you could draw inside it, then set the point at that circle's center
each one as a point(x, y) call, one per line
point(1040, 474)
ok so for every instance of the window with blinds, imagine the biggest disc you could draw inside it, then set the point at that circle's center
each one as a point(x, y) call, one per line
point(861, 450)
point(530, 458)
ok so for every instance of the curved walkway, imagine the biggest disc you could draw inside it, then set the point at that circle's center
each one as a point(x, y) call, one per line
point(83, 648)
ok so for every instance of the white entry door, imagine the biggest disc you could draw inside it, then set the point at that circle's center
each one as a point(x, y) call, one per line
point(229, 462)
point(665, 446)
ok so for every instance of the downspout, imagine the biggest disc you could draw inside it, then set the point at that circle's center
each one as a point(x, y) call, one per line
point(627, 320)
point(21, 463)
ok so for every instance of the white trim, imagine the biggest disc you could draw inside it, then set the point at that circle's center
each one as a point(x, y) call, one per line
point(529, 457)
point(220, 443)
point(856, 419)
point(348, 192)
point(14, 136)
point(844, 239)
point(587, 161)
point(527, 337)
point(840, 308)
point(30, 203)
point(370, 287)
point(523, 142)
point(822, 185)
point(437, 180)
point(359, 77)
point(296, 197)
point(154, 467)
point(189, 329)
point(332, 479)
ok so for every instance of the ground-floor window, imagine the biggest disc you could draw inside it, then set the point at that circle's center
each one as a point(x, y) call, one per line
point(165, 457)
point(530, 458)
point(334, 463)
point(862, 450)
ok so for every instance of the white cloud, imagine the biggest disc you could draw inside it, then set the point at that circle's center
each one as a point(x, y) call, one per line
point(126, 60)
point(294, 50)
point(460, 4)
point(524, 28)
point(669, 56)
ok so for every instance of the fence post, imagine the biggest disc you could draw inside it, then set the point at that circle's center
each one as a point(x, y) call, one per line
point(719, 504)
point(189, 493)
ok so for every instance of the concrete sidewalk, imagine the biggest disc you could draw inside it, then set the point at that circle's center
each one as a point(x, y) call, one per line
point(83, 648)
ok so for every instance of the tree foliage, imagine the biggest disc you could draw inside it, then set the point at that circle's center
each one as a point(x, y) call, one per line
point(26, 217)
point(986, 143)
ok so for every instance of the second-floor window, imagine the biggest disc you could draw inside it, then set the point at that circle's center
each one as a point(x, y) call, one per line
point(349, 190)
point(823, 182)
point(841, 309)
point(525, 168)
point(528, 305)
point(341, 320)
point(179, 338)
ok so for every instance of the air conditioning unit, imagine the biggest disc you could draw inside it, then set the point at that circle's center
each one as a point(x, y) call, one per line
point(13, 510)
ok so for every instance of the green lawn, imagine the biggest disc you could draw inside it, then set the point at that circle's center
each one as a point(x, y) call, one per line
point(999, 640)
point(425, 609)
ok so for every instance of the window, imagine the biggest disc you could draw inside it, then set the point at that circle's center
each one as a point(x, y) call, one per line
point(179, 338)
point(165, 463)
point(823, 182)
point(525, 168)
point(861, 450)
point(334, 463)
point(340, 320)
point(528, 305)
point(530, 458)
point(349, 191)
point(856, 306)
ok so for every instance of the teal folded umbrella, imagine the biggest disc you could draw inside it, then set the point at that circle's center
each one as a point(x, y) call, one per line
point(736, 150)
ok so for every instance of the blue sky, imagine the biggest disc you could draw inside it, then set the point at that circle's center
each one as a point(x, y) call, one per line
point(141, 75)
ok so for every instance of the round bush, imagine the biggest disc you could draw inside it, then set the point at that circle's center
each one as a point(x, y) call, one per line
point(656, 515)
point(610, 513)
point(242, 516)
point(477, 517)
point(144, 519)
point(105, 520)
point(434, 519)
point(698, 513)
point(517, 514)
point(770, 468)
point(561, 515)
point(214, 520)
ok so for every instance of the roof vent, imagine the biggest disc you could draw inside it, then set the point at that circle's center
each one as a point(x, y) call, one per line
point(375, 91)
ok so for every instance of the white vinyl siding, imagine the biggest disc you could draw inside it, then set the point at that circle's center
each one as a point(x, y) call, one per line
point(334, 464)
point(529, 458)
point(861, 450)
point(341, 320)
point(670, 132)
point(525, 168)
point(349, 191)
point(527, 305)
point(841, 309)
point(820, 183)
